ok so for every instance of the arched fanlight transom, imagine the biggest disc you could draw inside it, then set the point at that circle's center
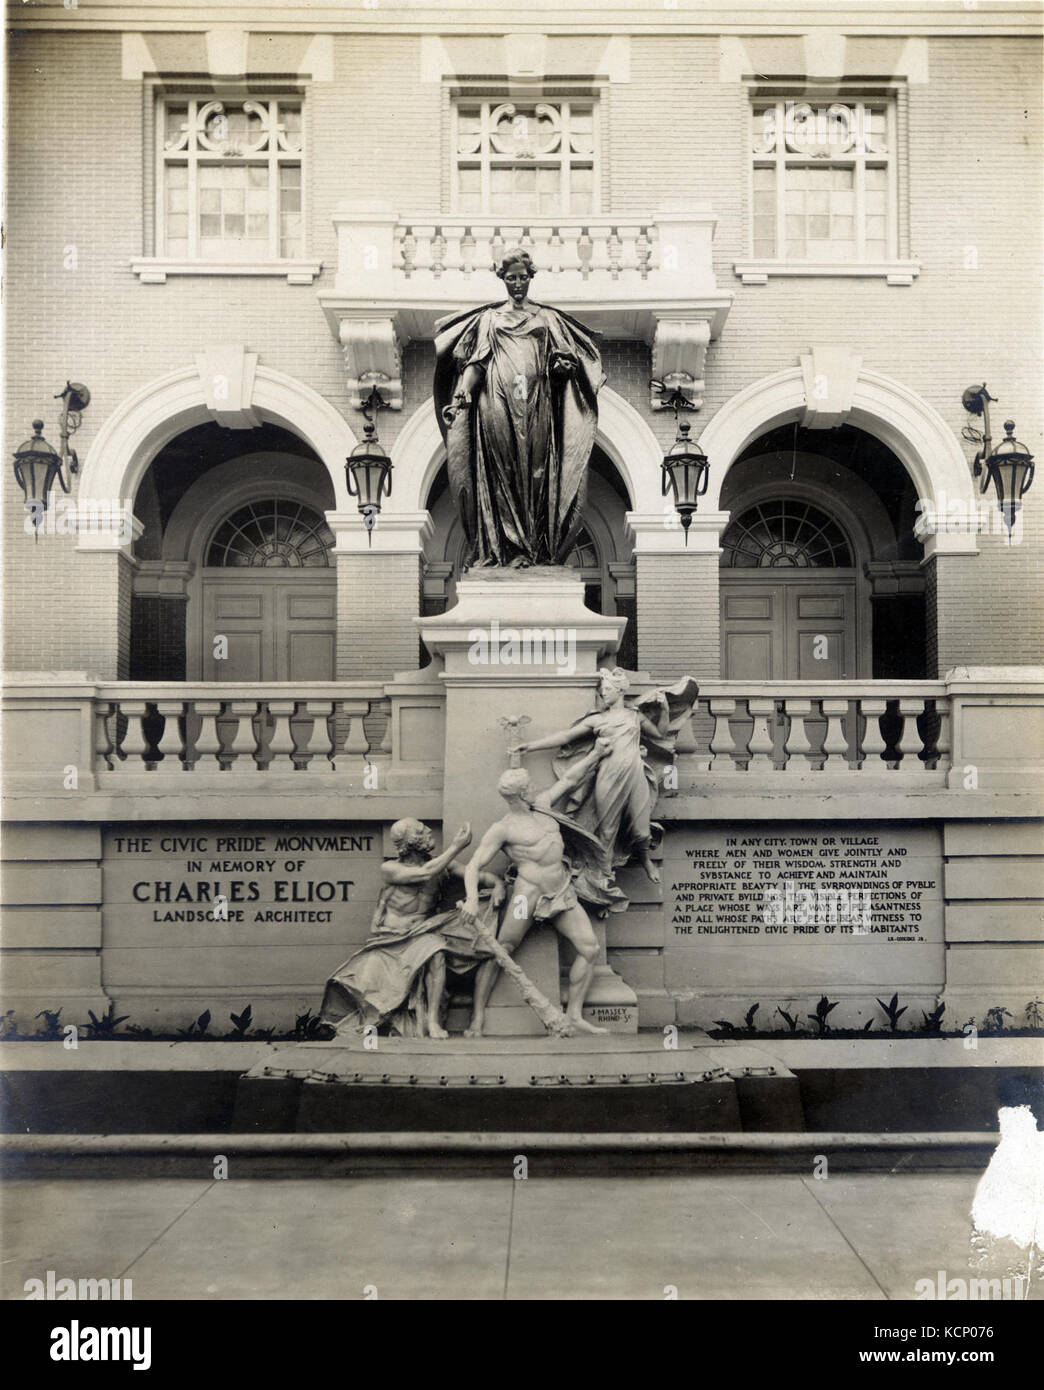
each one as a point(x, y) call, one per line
point(785, 533)
point(272, 534)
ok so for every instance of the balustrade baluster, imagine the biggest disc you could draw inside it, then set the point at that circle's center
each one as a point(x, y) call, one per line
point(910, 742)
point(103, 744)
point(643, 252)
point(408, 248)
point(570, 250)
point(614, 249)
point(208, 742)
point(320, 744)
point(873, 740)
point(171, 745)
point(798, 746)
point(585, 251)
point(722, 743)
point(835, 745)
point(244, 740)
point(761, 742)
point(467, 252)
point(496, 246)
point(942, 739)
point(134, 744)
point(554, 251)
point(282, 748)
point(421, 247)
point(351, 717)
point(356, 744)
point(438, 253)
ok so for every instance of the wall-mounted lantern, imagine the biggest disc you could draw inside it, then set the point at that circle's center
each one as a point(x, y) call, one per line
point(37, 464)
point(1009, 467)
point(686, 473)
point(368, 470)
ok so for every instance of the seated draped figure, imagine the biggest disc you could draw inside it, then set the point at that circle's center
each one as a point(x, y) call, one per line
point(398, 978)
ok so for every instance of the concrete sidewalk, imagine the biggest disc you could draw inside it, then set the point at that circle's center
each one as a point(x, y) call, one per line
point(709, 1236)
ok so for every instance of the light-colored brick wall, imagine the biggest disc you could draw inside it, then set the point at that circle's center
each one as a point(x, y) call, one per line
point(375, 130)
point(378, 598)
point(678, 615)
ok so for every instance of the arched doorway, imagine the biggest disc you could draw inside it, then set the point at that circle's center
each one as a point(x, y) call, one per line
point(906, 586)
point(268, 604)
point(821, 575)
point(789, 603)
point(236, 577)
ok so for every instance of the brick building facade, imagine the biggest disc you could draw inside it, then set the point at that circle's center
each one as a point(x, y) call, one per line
point(820, 230)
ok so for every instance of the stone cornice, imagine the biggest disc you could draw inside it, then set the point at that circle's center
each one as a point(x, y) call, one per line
point(950, 17)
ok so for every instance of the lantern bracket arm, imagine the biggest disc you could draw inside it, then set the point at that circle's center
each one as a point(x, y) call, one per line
point(976, 401)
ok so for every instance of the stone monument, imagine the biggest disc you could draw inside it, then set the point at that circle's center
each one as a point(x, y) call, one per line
point(516, 393)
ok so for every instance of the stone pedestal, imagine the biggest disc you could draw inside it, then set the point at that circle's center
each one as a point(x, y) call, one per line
point(519, 643)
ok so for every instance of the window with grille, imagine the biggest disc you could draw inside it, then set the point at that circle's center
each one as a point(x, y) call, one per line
point(525, 159)
point(229, 179)
point(274, 534)
point(785, 534)
point(824, 181)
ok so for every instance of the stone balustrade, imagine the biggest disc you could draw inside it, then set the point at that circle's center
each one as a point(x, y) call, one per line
point(836, 728)
point(248, 729)
point(65, 734)
point(609, 248)
point(648, 276)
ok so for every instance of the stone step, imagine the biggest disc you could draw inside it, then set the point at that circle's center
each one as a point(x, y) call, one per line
point(609, 1083)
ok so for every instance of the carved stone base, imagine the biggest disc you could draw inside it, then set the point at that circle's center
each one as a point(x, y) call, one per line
point(493, 667)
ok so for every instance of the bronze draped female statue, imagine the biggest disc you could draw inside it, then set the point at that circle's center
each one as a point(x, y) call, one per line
point(516, 388)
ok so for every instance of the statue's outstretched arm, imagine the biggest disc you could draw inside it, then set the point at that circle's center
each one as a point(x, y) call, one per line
point(395, 872)
point(558, 740)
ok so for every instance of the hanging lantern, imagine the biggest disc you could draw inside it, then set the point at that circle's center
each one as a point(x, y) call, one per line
point(36, 466)
point(686, 473)
point(1010, 468)
point(368, 471)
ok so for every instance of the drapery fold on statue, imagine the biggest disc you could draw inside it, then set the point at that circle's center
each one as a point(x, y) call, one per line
point(384, 981)
point(517, 459)
point(590, 867)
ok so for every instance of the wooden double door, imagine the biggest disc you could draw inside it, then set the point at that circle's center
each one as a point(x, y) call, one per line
point(276, 625)
point(798, 627)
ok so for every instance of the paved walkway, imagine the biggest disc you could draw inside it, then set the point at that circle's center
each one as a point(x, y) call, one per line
point(710, 1236)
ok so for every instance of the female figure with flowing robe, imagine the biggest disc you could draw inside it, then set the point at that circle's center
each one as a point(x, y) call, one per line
point(616, 800)
point(516, 397)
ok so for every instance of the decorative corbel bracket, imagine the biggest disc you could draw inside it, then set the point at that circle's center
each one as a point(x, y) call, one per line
point(372, 357)
point(679, 350)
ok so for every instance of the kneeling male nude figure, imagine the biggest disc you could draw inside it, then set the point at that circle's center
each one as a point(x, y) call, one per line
point(532, 841)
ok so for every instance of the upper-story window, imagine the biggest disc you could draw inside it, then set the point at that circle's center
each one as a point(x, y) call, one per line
point(824, 181)
point(229, 183)
point(525, 159)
